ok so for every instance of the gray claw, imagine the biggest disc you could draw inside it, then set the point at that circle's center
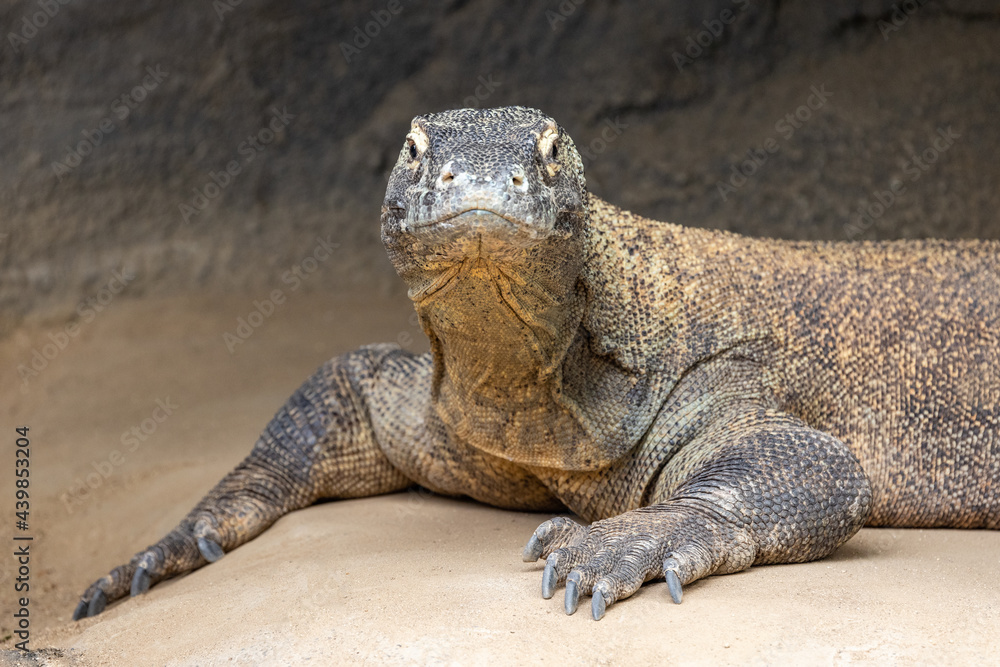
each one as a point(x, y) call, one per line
point(549, 579)
point(572, 593)
point(140, 582)
point(532, 550)
point(210, 551)
point(80, 611)
point(97, 603)
point(674, 586)
point(597, 605)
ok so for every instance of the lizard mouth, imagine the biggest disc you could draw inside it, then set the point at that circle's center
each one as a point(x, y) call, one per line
point(475, 230)
point(475, 218)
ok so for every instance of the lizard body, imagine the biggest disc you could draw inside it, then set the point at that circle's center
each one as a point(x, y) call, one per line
point(709, 401)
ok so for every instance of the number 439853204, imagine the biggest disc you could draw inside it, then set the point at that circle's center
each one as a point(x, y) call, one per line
point(22, 463)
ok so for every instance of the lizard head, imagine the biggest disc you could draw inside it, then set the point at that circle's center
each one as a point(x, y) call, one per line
point(484, 187)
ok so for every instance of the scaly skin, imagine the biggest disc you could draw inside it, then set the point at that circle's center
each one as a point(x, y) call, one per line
point(708, 401)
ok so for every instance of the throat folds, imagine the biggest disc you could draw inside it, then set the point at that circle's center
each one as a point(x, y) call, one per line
point(499, 339)
point(498, 335)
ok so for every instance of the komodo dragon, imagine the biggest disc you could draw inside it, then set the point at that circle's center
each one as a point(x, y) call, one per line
point(709, 401)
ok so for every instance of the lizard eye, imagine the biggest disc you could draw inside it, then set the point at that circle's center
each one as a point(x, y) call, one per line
point(417, 144)
point(547, 149)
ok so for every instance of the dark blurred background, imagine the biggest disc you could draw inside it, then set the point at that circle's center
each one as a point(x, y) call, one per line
point(118, 122)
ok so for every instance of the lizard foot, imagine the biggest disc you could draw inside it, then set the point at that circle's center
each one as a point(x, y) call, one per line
point(175, 554)
point(610, 559)
point(203, 537)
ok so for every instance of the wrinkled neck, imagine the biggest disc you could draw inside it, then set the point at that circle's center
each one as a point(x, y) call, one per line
point(499, 336)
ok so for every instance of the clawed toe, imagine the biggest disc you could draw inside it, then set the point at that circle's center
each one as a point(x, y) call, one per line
point(674, 586)
point(97, 603)
point(549, 578)
point(598, 605)
point(532, 550)
point(87, 608)
point(210, 551)
point(572, 593)
point(140, 582)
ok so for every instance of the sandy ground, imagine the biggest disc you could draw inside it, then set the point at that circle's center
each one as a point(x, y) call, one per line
point(409, 578)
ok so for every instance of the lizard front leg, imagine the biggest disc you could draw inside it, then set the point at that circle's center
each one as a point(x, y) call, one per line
point(320, 444)
point(757, 487)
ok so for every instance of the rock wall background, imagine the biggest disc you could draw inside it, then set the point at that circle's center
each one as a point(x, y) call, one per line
point(140, 103)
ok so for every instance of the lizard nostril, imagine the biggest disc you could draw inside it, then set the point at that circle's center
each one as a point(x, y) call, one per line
point(517, 181)
point(447, 177)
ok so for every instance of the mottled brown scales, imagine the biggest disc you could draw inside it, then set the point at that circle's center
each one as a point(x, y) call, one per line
point(709, 401)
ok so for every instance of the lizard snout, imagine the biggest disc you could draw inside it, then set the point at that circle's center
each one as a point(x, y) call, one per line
point(459, 174)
